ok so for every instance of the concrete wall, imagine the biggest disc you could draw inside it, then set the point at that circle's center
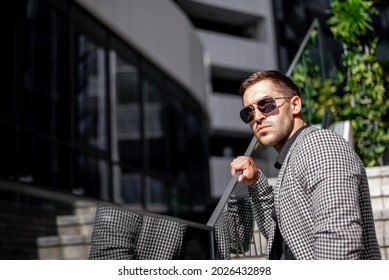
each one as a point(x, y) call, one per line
point(379, 192)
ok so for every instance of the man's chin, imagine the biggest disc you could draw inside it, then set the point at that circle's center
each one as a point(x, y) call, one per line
point(266, 140)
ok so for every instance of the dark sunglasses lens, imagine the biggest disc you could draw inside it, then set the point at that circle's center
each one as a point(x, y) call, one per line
point(267, 105)
point(246, 114)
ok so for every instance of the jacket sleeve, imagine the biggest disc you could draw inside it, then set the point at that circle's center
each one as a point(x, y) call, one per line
point(262, 200)
point(234, 228)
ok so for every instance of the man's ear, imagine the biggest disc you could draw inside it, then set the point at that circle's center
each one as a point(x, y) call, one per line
point(296, 104)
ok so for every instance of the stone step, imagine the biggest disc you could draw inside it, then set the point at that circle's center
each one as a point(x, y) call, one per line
point(81, 224)
point(74, 231)
point(65, 247)
point(83, 207)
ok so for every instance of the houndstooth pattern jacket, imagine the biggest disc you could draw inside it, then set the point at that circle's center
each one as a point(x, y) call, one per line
point(321, 199)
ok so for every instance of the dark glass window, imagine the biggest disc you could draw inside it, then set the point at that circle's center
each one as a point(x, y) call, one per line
point(157, 195)
point(176, 117)
point(8, 151)
point(225, 85)
point(7, 98)
point(176, 144)
point(89, 115)
point(197, 151)
point(45, 71)
point(126, 134)
point(130, 182)
point(43, 162)
point(156, 149)
point(91, 127)
point(91, 176)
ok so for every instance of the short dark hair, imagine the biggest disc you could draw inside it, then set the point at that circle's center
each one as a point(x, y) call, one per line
point(283, 83)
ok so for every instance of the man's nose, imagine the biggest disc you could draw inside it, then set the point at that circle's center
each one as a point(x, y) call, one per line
point(258, 115)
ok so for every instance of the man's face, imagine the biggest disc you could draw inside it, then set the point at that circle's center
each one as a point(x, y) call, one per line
point(275, 128)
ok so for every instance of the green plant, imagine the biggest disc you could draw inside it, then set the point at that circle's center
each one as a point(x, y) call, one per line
point(360, 76)
point(317, 92)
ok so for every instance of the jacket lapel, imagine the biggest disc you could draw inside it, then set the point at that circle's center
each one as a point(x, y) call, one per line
point(280, 180)
point(282, 173)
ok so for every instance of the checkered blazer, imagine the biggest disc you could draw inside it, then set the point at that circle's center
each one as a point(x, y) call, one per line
point(321, 199)
point(234, 228)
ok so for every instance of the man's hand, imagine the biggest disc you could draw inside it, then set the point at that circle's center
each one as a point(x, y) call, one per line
point(249, 172)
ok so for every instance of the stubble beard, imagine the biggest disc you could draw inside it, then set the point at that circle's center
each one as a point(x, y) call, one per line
point(278, 135)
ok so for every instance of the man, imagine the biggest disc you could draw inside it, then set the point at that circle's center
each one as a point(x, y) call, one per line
point(320, 207)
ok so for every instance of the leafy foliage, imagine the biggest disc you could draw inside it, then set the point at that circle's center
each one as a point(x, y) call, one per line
point(318, 92)
point(361, 77)
point(359, 92)
point(350, 20)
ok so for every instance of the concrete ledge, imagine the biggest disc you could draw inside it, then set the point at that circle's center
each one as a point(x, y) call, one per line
point(381, 214)
point(69, 220)
point(377, 171)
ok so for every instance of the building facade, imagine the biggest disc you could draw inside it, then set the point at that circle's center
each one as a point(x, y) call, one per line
point(104, 100)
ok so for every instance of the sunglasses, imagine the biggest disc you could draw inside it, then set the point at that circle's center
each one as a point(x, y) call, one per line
point(265, 106)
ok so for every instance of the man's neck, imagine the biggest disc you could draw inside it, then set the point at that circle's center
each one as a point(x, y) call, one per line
point(298, 123)
point(286, 147)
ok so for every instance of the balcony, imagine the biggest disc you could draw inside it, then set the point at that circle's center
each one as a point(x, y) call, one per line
point(238, 53)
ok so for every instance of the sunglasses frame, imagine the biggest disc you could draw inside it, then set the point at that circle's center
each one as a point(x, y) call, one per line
point(243, 114)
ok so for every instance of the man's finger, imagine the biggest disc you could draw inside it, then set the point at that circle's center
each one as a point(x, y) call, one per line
point(232, 170)
point(242, 178)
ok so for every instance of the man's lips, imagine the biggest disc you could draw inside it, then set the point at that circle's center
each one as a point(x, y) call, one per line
point(263, 127)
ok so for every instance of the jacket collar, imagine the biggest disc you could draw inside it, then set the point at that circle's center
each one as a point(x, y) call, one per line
point(282, 155)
